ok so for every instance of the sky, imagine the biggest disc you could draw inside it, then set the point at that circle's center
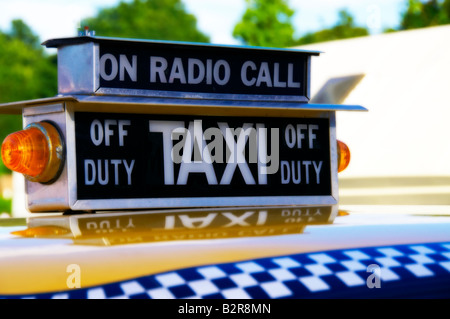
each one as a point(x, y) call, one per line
point(60, 18)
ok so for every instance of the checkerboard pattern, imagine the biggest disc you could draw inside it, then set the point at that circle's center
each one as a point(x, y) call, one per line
point(337, 273)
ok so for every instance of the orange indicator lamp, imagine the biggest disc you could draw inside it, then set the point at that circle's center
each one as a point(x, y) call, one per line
point(343, 153)
point(37, 152)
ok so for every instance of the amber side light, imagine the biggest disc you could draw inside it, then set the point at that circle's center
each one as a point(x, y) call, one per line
point(343, 153)
point(37, 152)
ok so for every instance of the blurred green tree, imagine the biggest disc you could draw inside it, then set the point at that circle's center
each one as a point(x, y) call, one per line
point(147, 19)
point(345, 28)
point(21, 31)
point(26, 72)
point(419, 14)
point(266, 23)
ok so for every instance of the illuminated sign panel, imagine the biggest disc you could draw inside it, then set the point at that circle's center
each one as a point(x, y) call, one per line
point(123, 156)
point(209, 70)
point(182, 70)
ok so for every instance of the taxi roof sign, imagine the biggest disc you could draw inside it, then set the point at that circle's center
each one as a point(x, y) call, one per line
point(99, 65)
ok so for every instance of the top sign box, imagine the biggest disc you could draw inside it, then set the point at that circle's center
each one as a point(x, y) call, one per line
point(108, 66)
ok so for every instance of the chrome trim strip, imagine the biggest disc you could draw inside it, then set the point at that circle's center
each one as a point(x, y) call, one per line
point(333, 157)
point(226, 103)
point(44, 109)
point(138, 203)
point(59, 42)
point(71, 156)
point(181, 102)
point(200, 96)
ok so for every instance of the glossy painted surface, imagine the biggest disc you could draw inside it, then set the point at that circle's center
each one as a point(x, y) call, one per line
point(111, 253)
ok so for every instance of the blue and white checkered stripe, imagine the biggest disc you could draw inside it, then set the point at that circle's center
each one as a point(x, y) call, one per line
point(337, 273)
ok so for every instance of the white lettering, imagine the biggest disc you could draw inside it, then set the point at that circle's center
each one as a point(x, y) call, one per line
point(206, 221)
point(317, 168)
point(202, 222)
point(306, 164)
point(209, 71)
point(201, 166)
point(226, 72)
point(285, 172)
point(124, 65)
point(218, 72)
point(122, 131)
point(264, 75)
point(189, 148)
point(74, 279)
point(131, 68)
point(289, 136)
point(158, 66)
point(300, 135)
point(103, 176)
point(96, 132)
point(237, 220)
point(244, 78)
point(299, 172)
point(374, 280)
point(312, 136)
point(89, 165)
point(276, 77)
point(98, 172)
point(294, 135)
point(297, 179)
point(237, 157)
point(291, 82)
point(192, 65)
point(166, 128)
point(114, 67)
point(177, 72)
point(129, 169)
point(108, 131)
point(116, 164)
point(263, 156)
point(215, 147)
